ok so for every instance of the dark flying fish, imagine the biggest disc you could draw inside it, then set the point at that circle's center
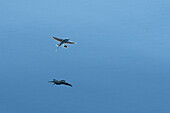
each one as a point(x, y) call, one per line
point(60, 82)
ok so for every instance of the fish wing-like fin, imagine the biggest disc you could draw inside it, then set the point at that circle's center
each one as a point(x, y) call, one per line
point(58, 39)
point(70, 42)
point(67, 84)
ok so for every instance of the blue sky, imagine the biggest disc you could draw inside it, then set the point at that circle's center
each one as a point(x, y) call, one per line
point(120, 64)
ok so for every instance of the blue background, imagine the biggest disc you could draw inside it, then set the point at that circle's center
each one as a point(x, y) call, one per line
point(121, 63)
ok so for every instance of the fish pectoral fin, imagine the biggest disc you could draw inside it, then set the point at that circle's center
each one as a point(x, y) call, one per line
point(70, 42)
point(57, 39)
